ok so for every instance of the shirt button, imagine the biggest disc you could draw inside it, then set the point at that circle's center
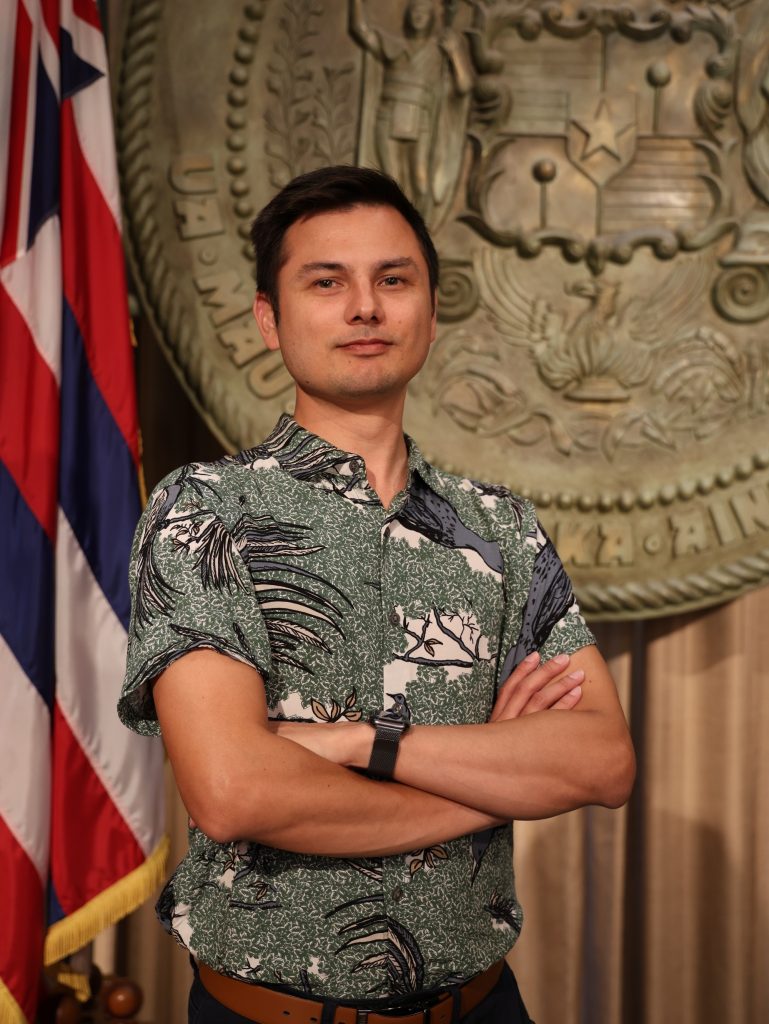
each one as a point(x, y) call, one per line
point(397, 894)
point(395, 619)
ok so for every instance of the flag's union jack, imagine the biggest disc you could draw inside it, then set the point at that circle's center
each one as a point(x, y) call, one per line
point(80, 797)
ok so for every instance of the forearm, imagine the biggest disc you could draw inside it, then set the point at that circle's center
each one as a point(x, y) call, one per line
point(289, 798)
point(531, 767)
point(360, 30)
point(539, 755)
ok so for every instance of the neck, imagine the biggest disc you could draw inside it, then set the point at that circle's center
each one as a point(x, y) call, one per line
point(374, 432)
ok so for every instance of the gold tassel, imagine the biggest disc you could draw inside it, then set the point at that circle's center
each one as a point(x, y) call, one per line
point(10, 1011)
point(77, 930)
point(77, 982)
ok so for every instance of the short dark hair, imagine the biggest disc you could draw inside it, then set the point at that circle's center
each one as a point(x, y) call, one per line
point(341, 187)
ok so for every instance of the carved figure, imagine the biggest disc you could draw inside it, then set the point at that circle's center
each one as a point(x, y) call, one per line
point(421, 105)
point(491, 95)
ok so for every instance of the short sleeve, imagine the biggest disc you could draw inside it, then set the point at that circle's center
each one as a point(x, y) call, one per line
point(190, 589)
point(551, 622)
point(557, 625)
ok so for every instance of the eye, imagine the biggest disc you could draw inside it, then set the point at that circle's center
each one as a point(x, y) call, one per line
point(324, 283)
point(392, 279)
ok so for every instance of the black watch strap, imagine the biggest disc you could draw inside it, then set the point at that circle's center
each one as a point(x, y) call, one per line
point(384, 752)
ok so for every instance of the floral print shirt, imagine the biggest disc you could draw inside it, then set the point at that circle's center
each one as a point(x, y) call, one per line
point(284, 558)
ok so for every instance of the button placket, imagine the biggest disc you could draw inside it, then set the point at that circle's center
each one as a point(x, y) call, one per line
point(393, 884)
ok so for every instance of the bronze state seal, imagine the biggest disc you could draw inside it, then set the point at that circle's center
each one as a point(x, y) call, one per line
point(596, 177)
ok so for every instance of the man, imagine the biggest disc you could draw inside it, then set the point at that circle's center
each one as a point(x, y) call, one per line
point(338, 870)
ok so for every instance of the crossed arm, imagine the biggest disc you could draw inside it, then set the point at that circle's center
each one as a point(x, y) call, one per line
point(556, 741)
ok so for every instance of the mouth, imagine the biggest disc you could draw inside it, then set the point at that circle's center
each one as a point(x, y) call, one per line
point(366, 346)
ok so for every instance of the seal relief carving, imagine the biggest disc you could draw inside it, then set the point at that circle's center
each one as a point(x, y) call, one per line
point(596, 177)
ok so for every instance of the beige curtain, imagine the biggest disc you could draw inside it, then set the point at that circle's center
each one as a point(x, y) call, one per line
point(660, 912)
point(653, 914)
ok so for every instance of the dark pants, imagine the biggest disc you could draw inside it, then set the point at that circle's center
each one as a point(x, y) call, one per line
point(503, 1005)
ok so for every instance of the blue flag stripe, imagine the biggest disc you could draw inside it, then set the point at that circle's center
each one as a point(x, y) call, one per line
point(98, 489)
point(76, 73)
point(44, 193)
point(27, 593)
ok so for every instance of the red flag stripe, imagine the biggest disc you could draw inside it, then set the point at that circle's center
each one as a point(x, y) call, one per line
point(29, 416)
point(91, 252)
point(50, 10)
point(86, 10)
point(18, 134)
point(92, 847)
point(22, 929)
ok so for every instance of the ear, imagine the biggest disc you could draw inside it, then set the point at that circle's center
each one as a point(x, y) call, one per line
point(434, 317)
point(265, 319)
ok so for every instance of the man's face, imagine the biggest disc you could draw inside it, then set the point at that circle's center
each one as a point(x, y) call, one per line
point(420, 15)
point(356, 314)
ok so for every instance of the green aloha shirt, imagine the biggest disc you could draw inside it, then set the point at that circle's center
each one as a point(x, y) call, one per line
point(284, 558)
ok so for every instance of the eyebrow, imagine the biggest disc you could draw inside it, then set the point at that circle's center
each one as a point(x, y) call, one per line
point(398, 262)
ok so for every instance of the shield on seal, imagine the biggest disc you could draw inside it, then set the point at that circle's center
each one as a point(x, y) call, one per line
point(602, 135)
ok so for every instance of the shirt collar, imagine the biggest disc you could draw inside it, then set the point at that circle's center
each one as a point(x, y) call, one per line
point(305, 456)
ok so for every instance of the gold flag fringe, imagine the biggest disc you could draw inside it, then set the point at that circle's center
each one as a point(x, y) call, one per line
point(10, 1011)
point(78, 929)
point(76, 981)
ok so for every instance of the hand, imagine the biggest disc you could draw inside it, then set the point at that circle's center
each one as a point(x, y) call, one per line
point(534, 686)
point(448, 40)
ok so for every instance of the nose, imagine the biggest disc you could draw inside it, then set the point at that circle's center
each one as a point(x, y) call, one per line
point(364, 306)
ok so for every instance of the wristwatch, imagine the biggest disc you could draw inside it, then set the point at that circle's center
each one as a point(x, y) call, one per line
point(390, 725)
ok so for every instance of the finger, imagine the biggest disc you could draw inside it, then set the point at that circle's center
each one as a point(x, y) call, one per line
point(547, 698)
point(519, 673)
point(521, 686)
point(528, 677)
point(569, 700)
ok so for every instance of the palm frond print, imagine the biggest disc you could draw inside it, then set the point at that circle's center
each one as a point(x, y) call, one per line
point(396, 949)
point(293, 600)
point(297, 454)
point(191, 529)
point(287, 591)
point(292, 449)
point(503, 912)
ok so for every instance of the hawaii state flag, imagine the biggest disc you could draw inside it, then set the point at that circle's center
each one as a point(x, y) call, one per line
point(81, 840)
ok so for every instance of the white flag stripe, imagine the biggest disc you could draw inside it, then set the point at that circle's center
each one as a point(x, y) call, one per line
point(89, 41)
point(97, 142)
point(7, 39)
point(98, 653)
point(29, 145)
point(49, 54)
point(40, 305)
point(25, 731)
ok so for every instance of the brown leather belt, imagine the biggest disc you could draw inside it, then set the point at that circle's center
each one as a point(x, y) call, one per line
point(268, 1006)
